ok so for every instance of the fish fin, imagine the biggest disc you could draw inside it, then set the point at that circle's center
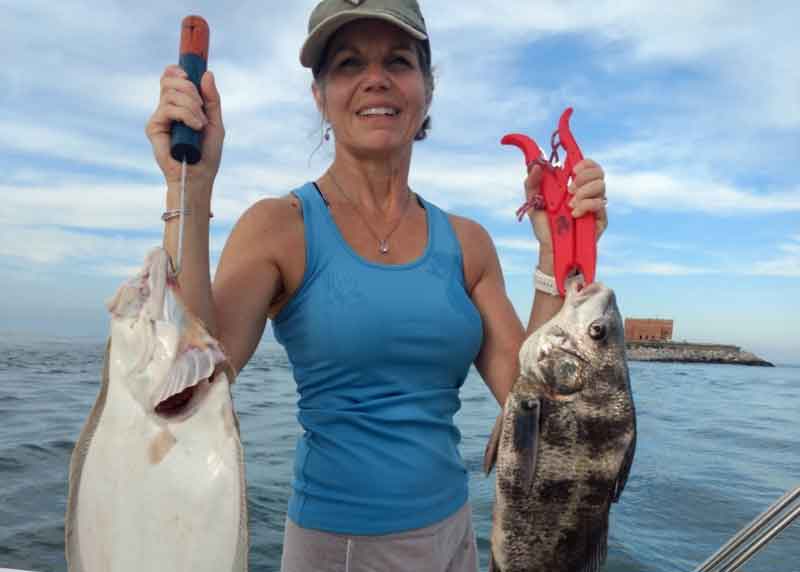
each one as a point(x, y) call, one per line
point(596, 548)
point(627, 460)
point(76, 463)
point(624, 471)
point(490, 454)
point(526, 440)
point(190, 368)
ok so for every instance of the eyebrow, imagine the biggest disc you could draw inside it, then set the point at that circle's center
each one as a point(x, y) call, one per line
point(396, 47)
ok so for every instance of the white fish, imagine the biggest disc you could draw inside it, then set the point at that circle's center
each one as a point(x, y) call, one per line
point(156, 479)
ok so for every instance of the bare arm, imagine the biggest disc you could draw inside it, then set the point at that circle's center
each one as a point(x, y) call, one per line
point(544, 305)
point(503, 332)
point(248, 277)
point(498, 359)
point(179, 100)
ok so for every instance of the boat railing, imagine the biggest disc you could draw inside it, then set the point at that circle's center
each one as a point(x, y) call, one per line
point(755, 536)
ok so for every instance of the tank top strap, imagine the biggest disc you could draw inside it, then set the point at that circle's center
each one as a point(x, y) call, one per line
point(313, 205)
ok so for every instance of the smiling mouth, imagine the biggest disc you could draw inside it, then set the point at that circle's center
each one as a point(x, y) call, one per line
point(379, 112)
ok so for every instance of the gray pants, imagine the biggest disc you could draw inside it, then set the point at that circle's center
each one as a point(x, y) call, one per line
point(446, 546)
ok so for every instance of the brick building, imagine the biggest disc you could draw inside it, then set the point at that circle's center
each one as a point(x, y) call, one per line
point(647, 329)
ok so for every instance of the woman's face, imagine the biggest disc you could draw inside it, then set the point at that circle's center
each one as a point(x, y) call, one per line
point(372, 89)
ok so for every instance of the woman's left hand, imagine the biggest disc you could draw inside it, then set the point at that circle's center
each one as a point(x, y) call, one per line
point(587, 193)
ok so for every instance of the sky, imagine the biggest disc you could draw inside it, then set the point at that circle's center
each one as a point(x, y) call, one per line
point(691, 108)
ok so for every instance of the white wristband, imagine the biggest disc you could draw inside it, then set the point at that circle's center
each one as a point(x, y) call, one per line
point(545, 283)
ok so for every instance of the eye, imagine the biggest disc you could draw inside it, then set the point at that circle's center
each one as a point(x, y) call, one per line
point(598, 331)
point(348, 62)
point(401, 60)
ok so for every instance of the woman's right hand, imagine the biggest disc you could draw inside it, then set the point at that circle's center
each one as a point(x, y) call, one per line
point(180, 101)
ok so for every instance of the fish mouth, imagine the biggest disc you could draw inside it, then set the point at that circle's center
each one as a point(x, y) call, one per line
point(183, 404)
point(175, 407)
point(177, 404)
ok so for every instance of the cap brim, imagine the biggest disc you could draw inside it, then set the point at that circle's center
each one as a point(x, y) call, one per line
point(319, 36)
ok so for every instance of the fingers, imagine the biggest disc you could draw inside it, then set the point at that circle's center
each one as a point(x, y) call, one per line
point(532, 181)
point(181, 92)
point(213, 107)
point(588, 189)
point(588, 205)
point(179, 101)
point(586, 171)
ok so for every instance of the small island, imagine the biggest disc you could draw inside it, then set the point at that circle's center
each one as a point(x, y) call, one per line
point(685, 352)
point(651, 340)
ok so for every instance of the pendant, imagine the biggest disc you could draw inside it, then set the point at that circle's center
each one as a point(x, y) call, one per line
point(383, 247)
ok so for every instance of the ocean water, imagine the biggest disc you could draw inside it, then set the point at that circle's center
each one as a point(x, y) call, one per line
point(716, 445)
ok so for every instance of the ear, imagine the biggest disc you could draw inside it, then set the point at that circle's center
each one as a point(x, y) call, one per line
point(319, 97)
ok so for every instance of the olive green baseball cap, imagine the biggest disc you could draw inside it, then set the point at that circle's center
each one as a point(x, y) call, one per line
point(330, 15)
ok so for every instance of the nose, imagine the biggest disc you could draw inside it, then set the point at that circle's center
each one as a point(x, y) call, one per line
point(376, 77)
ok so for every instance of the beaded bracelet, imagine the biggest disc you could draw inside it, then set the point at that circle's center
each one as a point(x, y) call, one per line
point(170, 214)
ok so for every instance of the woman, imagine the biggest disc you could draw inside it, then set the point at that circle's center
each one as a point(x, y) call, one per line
point(381, 300)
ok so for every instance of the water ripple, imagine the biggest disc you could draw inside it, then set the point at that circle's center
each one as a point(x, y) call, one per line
point(716, 446)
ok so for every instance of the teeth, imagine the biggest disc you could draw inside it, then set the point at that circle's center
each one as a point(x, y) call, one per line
point(378, 111)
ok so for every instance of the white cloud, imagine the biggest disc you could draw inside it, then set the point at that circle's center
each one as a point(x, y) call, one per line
point(666, 191)
point(91, 205)
point(747, 84)
point(518, 244)
point(515, 266)
point(104, 254)
point(55, 142)
point(786, 264)
point(657, 269)
point(54, 245)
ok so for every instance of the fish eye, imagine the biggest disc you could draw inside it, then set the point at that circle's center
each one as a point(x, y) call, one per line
point(529, 404)
point(598, 331)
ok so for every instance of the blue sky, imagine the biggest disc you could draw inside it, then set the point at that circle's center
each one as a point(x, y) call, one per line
point(693, 109)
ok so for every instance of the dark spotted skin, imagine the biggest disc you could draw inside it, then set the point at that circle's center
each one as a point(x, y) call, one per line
point(558, 520)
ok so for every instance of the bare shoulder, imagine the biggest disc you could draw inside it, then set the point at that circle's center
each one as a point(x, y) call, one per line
point(267, 226)
point(273, 213)
point(477, 248)
point(470, 233)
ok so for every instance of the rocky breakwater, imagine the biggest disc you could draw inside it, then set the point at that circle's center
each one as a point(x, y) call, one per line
point(690, 353)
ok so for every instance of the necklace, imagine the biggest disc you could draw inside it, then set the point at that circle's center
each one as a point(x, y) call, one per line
point(383, 243)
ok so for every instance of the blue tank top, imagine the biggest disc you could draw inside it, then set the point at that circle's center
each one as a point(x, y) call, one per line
point(379, 353)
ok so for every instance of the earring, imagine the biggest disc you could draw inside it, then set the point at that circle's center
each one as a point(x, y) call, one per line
point(327, 135)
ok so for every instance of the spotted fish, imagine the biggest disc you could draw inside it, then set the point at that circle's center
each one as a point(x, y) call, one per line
point(563, 446)
point(156, 479)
